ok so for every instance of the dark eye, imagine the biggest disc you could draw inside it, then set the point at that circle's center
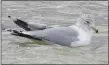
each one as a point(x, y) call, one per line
point(88, 22)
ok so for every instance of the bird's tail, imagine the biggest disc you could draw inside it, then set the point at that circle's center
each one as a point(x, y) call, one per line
point(20, 34)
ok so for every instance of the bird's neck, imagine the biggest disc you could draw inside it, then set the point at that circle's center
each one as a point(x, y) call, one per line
point(82, 27)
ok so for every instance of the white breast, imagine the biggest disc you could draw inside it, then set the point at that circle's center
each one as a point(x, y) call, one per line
point(84, 37)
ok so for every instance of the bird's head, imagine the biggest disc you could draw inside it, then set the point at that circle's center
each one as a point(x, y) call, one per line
point(87, 21)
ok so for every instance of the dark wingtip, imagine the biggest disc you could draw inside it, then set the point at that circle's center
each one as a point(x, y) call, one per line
point(97, 31)
point(9, 16)
point(12, 18)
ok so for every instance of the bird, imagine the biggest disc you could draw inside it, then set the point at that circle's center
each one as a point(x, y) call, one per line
point(78, 34)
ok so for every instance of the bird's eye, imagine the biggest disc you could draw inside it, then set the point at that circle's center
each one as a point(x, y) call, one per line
point(88, 22)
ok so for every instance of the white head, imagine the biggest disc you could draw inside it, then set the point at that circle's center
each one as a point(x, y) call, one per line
point(86, 21)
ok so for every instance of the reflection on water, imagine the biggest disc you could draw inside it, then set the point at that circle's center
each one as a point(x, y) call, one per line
point(21, 50)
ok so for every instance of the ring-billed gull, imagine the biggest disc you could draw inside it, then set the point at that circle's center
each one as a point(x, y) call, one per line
point(72, 36)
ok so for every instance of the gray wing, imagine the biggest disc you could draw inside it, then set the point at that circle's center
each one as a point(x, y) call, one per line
point(62, 36)
point(36, 26)
point(59, 35)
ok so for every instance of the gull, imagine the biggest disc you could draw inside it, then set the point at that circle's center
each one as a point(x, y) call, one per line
point(79, 34)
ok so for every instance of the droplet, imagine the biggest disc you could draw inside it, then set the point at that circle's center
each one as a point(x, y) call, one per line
point(106, 18)
point(59, 6)
point(8, 9)
point(26, 14)
point(3, 21)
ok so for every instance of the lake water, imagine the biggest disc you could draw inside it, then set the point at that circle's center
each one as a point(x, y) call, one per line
point(17, 50)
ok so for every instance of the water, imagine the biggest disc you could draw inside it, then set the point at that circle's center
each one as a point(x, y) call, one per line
point(17, 50)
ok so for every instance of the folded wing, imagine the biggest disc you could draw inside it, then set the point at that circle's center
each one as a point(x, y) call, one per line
point(59, 35)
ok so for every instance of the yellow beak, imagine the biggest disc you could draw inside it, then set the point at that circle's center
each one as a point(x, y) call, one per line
point(95, 29)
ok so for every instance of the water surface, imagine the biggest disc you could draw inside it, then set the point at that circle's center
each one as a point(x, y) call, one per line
point(17, 50)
